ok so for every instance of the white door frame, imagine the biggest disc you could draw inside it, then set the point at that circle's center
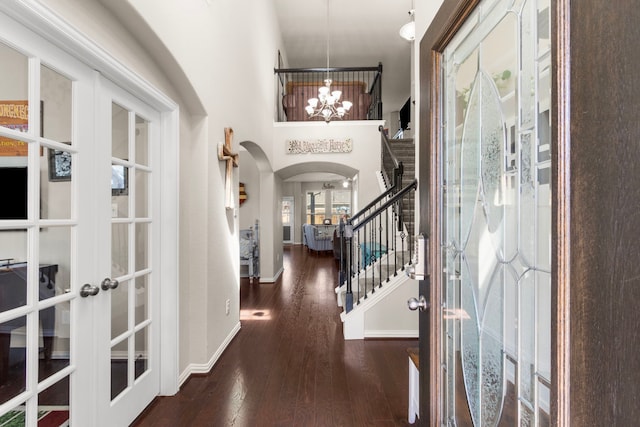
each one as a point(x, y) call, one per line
point(44, 22)
point(292, 221)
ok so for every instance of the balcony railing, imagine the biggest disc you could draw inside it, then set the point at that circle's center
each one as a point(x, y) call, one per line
point(360, 85)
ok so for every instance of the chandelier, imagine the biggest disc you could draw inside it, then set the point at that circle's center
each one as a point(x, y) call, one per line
point(328, 104)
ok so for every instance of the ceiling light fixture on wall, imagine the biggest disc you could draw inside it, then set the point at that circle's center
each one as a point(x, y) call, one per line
point(408, 30)
point(328, 105)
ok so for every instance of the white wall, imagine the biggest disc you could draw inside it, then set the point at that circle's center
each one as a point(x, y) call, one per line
point(392, 318)
point(250, 176)
point(365, 157)
point(225, 50)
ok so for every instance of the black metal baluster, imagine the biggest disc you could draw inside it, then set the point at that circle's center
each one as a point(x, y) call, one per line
point(386, 222)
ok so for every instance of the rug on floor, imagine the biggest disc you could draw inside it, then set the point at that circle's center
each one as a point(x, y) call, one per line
point(57, 416)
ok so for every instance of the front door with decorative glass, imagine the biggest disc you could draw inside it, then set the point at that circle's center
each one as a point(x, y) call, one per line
point(491, 277)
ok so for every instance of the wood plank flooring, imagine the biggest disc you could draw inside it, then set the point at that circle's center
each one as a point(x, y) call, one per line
point(289, 364)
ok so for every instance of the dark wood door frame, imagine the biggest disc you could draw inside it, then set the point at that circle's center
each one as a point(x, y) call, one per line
point(595, 203)
point(449, 18)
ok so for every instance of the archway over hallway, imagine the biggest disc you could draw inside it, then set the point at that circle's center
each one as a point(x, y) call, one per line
point(318, 191)
point(263, 190)
point(316, 167)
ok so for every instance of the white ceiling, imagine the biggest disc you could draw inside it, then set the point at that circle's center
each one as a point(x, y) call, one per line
point(362, 34)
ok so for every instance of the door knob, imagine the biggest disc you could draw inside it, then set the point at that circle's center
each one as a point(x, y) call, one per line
point(89, 290)
point(414, 303)
point(109, 284)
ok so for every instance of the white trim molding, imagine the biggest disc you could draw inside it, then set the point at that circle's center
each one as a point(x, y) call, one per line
point(272, 279)
point(205, 368)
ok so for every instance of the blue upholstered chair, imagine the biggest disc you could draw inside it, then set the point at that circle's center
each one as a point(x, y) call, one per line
point(315, 241)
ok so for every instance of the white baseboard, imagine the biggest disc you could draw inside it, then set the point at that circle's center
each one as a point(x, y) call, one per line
point(204, 368)
point(272, 279)
point(391, 334)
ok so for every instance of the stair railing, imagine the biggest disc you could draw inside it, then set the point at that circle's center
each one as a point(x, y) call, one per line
point(360, 85)
point(392, 168)
point(397, 171)
point(374, 245)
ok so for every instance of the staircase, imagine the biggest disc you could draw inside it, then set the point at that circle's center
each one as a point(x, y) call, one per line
point(400, 154)
point(382, 312)
point(375, 249)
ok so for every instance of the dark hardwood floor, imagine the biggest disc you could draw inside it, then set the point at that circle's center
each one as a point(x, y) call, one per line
point(289, 364)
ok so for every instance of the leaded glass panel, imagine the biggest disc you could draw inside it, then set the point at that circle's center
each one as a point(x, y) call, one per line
point(496, 207)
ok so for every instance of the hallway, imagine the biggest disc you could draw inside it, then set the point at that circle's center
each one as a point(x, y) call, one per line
point(290, 366)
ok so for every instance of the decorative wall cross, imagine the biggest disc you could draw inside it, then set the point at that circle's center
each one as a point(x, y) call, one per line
point(224, 153)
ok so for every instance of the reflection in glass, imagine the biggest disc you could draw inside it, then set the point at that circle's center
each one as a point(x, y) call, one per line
point(13, 269)
point(14, 114)
point(119, 368)
point(54, 340)
point(544, 410)
point(53, 404)
point(13, 367)
point(497, 226)
point(119, 309)
point(119, 180)
point(55, 92)
point(119, 250)
point(463, 80)
point(14, 203)
point(142, 193)
point(119, 132)
point(120, 191)
point(55, 261)
point(142, 246)
point(499, 58)
point(142, 141)
point(142, 295)
point(142, 352)
point(55, 185)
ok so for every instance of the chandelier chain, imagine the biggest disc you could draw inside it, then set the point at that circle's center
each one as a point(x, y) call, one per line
point(328, 104)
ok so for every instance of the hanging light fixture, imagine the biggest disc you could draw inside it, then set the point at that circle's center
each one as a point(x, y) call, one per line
point(328, 104)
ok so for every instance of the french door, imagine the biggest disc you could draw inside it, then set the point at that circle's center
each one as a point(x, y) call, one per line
point(491, 337)
point(78, 301)
point(128, 348)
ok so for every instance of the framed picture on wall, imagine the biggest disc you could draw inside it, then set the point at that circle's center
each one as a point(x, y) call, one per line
point(15, 115)
point(59, 165)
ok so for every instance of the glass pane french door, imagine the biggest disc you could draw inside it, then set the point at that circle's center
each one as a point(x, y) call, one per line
point(496, 217)
point(78, 241)
point(45, 127)
point(128, 351)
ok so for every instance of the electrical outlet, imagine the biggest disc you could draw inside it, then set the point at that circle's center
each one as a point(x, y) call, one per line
point(227, 307)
